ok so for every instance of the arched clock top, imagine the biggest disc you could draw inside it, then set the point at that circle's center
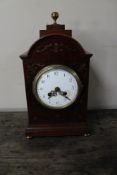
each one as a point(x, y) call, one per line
point(55, 44)
point(55, 40)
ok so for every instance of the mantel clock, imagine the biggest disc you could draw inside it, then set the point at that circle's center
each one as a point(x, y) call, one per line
point(56, 72)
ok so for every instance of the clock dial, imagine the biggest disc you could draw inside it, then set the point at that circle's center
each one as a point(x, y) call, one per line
point(56, 86)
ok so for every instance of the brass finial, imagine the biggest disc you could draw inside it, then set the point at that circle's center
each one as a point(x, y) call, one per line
point(55, 16)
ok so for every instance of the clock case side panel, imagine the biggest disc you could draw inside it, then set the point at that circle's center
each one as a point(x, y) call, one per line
point(27, 79)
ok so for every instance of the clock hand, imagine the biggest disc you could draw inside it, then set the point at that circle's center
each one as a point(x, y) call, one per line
point(51, 94)
point(63, 93)
point(67, 97)
point(57, 89)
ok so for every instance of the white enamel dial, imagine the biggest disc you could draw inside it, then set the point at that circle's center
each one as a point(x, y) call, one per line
point(56, 86)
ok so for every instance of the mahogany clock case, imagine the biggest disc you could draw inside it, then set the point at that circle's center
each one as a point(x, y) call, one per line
point(62, 49)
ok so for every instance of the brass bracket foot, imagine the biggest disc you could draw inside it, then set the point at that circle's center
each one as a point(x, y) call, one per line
point(87, 134)
point(28, 137)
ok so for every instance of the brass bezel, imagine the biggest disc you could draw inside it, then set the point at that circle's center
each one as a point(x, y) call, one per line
point(54, 67)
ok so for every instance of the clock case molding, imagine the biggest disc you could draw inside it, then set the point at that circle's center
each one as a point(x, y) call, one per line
point(56, 46)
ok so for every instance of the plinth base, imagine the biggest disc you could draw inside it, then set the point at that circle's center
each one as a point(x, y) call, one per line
point(80, 128)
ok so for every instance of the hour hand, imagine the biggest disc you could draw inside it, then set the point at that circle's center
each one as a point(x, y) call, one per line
point(51, 94)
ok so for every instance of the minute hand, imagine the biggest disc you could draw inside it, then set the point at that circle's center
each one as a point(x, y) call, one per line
point(63, 93)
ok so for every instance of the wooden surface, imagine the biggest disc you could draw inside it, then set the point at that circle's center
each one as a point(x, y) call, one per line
point(93, 155)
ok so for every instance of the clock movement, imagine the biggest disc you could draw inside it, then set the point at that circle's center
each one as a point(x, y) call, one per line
point(56, 72)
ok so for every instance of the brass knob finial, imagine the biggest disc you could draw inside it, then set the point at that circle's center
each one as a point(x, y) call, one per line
point(55, 16)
